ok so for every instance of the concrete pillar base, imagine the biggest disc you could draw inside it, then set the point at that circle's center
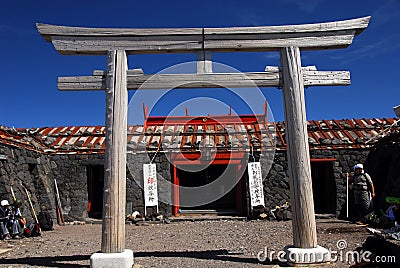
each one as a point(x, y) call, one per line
point(112, 260)
point(307, 256)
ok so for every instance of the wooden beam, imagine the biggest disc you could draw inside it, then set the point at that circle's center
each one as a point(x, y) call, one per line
point(80, 40)
point(48, 31)
point(274, 42)
point(128, 72)
point(114, 199)
point(278, 68)
point(215, 80)
point(357, 24)
point(83, 45)
point(301, 194)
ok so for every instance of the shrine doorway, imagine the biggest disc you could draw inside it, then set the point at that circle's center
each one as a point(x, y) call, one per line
point(231, 199)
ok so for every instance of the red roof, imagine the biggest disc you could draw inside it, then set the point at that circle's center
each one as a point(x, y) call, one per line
point(191, 134)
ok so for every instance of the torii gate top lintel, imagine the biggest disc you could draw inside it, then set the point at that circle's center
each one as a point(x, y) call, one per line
point(81, 40)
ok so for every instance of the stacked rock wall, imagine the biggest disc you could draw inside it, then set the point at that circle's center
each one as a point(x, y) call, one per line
point(24, 169)
point(276, 183)
point(37, 172)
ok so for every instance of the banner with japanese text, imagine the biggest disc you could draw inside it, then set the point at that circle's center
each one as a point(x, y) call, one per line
point(150, 185)
point(255, 184)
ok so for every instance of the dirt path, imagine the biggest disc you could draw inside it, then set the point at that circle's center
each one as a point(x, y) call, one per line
point(218, 243)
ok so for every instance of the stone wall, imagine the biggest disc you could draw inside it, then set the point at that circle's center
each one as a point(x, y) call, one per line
point(23, 169)
point(71, 174)
point(37, 173)
point(135, 183)
point(70, 171)
point(345, 161)
point(276, 183)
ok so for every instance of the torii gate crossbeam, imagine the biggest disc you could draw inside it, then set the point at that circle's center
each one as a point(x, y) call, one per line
point(288, 40)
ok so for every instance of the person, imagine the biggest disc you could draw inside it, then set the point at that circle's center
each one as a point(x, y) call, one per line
point(16, 219)
point(6, 221)
point(362, 185)
point(4, 214)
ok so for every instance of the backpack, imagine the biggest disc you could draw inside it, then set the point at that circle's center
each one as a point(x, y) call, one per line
point(45, 221)
point(362, 182)
point(32, 230)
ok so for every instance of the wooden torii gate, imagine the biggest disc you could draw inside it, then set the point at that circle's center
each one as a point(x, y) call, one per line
point(288, 40)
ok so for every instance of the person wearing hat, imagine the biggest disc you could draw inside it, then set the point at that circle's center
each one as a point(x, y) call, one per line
point(7, 220)
point(4, 214)
point(362, 185)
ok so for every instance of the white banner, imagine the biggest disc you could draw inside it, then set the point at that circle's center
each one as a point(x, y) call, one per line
point(150, 185)
point(255, 184)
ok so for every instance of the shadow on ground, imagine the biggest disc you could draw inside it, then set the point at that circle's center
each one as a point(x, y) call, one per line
point(217, 255)
point(59, 261)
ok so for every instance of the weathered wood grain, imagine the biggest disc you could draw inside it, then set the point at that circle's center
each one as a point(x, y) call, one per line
point(271, 78)
point(114, 199)
point(358, 24)
point(80, 40)
point(279, 68)
point(273, 42)
point(47, 30)
point(301, 194)
point(99, 46)
point(128, 72)
point(204, 62)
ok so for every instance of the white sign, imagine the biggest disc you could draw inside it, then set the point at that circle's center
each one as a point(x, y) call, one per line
point(150, 185)
point(255, 184)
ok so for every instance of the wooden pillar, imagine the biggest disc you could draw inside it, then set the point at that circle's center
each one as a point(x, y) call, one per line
point(176, 191)
point(113, 237)
point(304, 228)
point(204, 62)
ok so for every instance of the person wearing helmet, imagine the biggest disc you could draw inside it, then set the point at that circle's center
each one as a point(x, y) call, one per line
point(4, 214)
point(361, 184)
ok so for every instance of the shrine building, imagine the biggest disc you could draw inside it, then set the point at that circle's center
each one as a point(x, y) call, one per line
point(189, 152)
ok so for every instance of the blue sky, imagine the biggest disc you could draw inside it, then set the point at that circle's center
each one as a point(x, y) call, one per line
point(29, 66)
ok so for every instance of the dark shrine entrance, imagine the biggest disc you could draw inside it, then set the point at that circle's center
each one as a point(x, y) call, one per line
point(224, 188)
point(324, 187)
point(95, 183)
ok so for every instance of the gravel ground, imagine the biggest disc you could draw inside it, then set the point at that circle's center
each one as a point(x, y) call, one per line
point(211, 243)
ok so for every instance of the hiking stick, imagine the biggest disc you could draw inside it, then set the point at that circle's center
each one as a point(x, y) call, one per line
point(15, 200)
point(31, 205)
point(13, 195)
point(59, 209)
point(347, 194)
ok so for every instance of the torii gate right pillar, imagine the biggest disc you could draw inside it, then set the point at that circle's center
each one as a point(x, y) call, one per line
point(301, 194)
point(304, 228)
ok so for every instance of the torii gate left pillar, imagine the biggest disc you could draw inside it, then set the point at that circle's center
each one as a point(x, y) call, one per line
point(114, 198)
point(115, 155)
